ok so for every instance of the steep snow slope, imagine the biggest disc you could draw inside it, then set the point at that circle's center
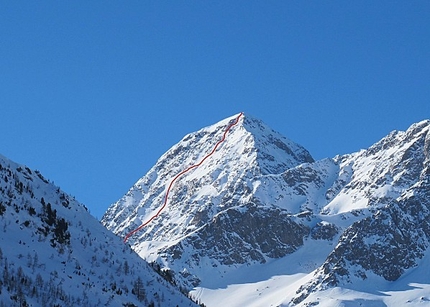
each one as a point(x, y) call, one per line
point(220, 190)
point(54, 253)
point(261, 213)
point(251, 149)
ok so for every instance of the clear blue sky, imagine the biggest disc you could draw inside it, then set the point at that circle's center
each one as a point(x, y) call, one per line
point(93, 92)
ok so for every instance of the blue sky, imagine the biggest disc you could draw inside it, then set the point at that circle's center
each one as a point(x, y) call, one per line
point(93, 92)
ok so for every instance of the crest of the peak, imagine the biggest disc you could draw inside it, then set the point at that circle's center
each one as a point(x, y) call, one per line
point(423, 125)
point(249, 137)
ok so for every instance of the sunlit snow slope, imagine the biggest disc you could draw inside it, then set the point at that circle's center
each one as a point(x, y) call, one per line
point(261, 223)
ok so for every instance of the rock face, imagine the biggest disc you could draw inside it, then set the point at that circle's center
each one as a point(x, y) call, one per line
point(236, 236)
point(263, 197)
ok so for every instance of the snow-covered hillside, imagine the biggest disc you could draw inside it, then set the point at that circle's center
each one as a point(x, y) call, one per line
point(54, 253)
point(261, 223)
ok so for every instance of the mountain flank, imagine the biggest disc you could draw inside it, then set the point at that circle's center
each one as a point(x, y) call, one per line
point(54, 253)
point(262, 209)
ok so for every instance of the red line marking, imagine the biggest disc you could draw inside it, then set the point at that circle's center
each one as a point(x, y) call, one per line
point(179, 175)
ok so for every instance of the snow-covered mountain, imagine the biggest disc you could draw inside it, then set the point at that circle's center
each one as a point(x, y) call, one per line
point(261, 223)
point(222, 190)
point(54, 253)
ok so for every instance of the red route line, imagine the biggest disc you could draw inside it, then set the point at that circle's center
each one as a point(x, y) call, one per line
point(179, 175)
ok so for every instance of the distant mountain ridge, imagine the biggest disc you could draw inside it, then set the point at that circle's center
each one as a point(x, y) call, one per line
point(262, 199)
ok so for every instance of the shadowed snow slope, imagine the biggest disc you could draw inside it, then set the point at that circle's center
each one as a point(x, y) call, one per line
point(54, 253)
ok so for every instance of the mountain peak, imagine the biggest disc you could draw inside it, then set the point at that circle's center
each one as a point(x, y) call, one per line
point(418, 128)
point(274, 147)
point(274, 153)
point(250, 149)
point(421, 124)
